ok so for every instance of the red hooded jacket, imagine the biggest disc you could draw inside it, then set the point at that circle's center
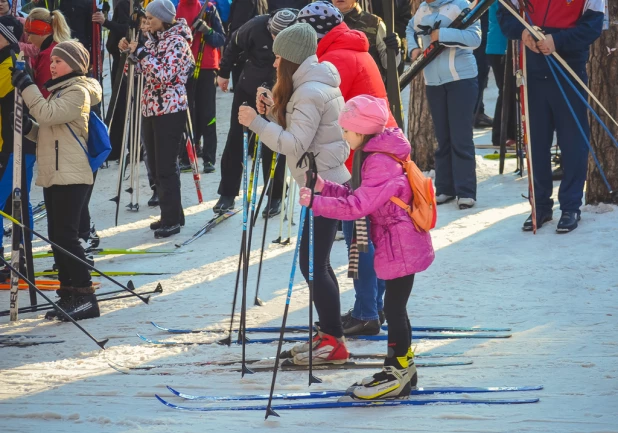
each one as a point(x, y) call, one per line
point(211, 56)
point(348, 50)
point(40, 66)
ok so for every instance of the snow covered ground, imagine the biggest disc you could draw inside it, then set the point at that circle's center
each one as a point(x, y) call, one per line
point(558, 293)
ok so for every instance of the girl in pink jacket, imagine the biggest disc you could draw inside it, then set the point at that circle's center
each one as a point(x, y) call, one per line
point(400, 249)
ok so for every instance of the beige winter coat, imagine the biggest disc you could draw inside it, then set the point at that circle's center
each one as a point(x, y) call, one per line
point(60, 158)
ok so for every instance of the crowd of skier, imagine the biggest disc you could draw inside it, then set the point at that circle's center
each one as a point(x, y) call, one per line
point(307, 77)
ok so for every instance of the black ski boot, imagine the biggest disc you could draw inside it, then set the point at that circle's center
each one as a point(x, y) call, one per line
point(382, 317)
point(541, 218)
point(157, 224)
point(94, 238)
point(154, 200)
point(225, 204)
point(356, 326)
point(84, 306)
point(65, 302)
point(347, 316)
point(568, 222)
point(275, 209)
point(167, 231)
point(209, 167)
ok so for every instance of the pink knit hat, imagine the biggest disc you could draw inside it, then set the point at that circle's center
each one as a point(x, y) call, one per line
point(364, 114)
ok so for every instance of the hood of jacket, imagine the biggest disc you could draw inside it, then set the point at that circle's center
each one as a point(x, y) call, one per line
point(312, 71)
point(179, 29)
point(392, 140)
point(343, 38)
point(90, 84)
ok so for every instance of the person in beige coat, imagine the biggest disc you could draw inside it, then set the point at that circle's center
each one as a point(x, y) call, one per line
point(63, 168)
point(306, 104)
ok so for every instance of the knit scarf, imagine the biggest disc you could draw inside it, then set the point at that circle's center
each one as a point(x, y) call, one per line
point(360, 238)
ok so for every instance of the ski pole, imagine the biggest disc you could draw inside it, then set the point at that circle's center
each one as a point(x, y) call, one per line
point(284, 203)
point(269, 409)
point(271, 181)
point(101, 343)
point(291, 213)
point(129, 287)
point(100, 298)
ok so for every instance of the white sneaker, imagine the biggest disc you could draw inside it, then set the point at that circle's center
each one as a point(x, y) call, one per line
point(391, 382)
point(465, 203)
point(443, 198)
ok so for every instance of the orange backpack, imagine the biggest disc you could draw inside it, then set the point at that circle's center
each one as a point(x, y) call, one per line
point(422, 210)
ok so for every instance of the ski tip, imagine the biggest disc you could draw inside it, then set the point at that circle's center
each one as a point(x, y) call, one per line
point(269, 412)
point(173, 391)
point(159, 288)
point(102, 343)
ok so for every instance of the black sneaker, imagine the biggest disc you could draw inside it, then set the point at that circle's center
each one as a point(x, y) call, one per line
point(156, 225)
point(347, 316)
point(184, 166)
point(541, 218)
point(167, 231)
point(382, 317)
point(83, 307)
point(154, 200)
point(568, 222)
point(483, 121)
point(94, 238)
point(275, 209)
point(557, 174)
point(209, 167)
point(355, 326)
point(225, 204)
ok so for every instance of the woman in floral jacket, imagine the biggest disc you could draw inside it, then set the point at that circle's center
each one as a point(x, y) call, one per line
point(166, 62)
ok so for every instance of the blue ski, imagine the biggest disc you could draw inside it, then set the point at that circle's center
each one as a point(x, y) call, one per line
point(331, 394)
point(359, 337)
point(345, 404)
point(268, 329)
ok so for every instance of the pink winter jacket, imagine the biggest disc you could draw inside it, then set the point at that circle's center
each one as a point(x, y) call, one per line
point(400, 249)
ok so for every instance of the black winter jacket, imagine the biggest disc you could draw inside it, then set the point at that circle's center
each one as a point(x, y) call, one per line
point(118, 26)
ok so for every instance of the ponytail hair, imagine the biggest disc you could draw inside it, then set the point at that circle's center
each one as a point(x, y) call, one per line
point(61, 31)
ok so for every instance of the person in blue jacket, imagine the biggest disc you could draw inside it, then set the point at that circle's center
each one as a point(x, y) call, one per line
point(452, 92)
point(571, 27)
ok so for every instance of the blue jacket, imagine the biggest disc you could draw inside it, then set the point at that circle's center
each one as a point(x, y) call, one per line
point(496, 41)
point(457, 61)
point(573, 24)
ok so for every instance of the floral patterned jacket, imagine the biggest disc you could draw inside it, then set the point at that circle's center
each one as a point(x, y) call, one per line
point(166, 62)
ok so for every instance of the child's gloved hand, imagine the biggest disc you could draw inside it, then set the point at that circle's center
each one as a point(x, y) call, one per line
point(305, 196)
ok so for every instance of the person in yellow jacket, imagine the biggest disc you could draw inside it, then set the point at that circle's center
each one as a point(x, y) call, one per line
point(11, 31)
point(63, 168)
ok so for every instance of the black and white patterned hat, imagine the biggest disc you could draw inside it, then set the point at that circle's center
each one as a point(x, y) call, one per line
point(322, 16)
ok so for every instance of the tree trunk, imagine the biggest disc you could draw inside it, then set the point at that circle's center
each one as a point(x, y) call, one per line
point(603, 70)
point(420, 124)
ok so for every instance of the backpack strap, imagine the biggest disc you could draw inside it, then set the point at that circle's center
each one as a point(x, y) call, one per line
point(399, 202)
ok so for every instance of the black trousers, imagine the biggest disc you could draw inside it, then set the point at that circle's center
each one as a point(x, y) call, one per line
point(497, 65)
point(64, 205)
point(162, 138)
point(395, 309)
point(84, 220)
point(202, 100)
point(119, 114)
point(232, 158)
point(326, 288)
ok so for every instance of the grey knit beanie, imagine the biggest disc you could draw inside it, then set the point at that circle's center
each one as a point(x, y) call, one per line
point(296, 43)
point(74, 54)
point(280, 21)
point(163, 10)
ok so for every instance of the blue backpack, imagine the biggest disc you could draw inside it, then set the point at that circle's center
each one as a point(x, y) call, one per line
point(99, 146)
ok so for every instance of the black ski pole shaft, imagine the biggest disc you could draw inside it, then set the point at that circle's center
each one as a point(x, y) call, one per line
point(129, 287)
point(271, 181)
point(392, 74)
point(27, 241)
point(228, 340)
point(101, 343)
point(269, 409)
point(100, 298)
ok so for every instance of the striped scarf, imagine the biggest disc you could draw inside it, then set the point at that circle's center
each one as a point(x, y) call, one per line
point(359, 244)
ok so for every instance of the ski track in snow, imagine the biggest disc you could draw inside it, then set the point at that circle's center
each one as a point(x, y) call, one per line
point(558, 293)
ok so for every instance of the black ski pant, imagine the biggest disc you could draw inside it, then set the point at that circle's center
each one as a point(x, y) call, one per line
point(395, 309)
point(497, 63)
point(202, 100)
point(117, 119)
point(232, 158)
point(162, 139)
point(64, 204)
point(84, 220)
point(325, 285)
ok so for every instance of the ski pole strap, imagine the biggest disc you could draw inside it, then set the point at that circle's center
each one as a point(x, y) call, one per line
point(308, 160)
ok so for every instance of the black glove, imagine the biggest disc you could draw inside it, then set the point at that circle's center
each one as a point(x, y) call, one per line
point(20, 79)
point(26, 123)
point(392, 41)
point(202, 27)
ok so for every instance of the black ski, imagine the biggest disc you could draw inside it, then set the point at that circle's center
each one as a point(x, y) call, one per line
point(209, 226)
point(288, 365)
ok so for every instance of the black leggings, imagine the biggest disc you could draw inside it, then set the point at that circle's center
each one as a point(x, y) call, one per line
point(326, 288)
point(395, 308)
